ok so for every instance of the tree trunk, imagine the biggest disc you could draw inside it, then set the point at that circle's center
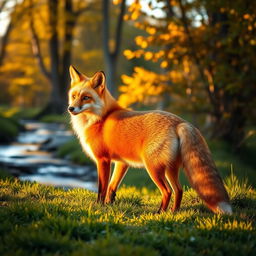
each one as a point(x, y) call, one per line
point(232, 128)
point(111, 56)
point(55, 104)
point(229, 115)
point(111, 63)
point(5, 37)
point(70, 21)
point(4, 41)
point(60, 58)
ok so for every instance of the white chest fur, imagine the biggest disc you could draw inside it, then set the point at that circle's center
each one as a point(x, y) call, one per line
point(80, 124)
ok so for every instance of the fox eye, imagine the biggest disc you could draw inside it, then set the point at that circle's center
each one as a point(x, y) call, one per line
point(74, 96)
point(86, 98)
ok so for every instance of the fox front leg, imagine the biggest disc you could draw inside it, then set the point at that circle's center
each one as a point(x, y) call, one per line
point(103, 168)
point(117, 176)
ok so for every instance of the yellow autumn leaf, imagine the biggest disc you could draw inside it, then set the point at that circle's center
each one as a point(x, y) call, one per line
point(246, 16)
point(128, 54)
point(135, 15)
point(164, 64)
point(115, 2)
point(148, 55)
point(144, 44)
point(151, 30)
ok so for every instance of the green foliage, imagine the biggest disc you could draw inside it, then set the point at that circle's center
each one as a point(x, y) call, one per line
point(9, 121)
point(18, 113)
point(42, 220)
point(64, 118)
point(205, 53)
point(9, 129)
point(4, 174)
point(73, 151)
point(138, 178)
point(227, 160)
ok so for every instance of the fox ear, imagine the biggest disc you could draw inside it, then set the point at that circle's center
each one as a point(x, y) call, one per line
point(75, 75)
point(99, 81)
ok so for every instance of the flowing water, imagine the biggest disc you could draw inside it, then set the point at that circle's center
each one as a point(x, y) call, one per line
point(33, 157)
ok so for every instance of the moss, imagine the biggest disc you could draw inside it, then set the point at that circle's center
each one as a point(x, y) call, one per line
point(227, 160)
point(9, 129)
point(18, 113)
point(54, 118)
point(5, 174)
point(72, 150)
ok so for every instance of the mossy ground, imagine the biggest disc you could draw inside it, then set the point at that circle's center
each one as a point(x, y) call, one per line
point(42, 220)
point(64, 118)
point(72, 150)
point(10, 124)
point(9, 129)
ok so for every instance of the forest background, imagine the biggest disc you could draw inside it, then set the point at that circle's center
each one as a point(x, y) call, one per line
point(195, 58)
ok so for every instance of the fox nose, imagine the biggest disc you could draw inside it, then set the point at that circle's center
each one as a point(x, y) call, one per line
point(71, 109)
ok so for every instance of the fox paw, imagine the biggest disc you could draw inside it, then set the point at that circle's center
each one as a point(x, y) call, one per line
point(111, 198)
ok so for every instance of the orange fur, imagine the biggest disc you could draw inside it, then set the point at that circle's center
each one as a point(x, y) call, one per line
point(157, 140)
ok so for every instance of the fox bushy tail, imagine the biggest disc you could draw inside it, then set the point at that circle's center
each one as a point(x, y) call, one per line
point(201, 170)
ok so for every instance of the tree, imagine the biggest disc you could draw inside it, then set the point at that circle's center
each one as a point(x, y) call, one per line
point(13, 88)
point(205, 50)
point(59, 47)
point(111, 53)
point(14, 15)
point(26, 74)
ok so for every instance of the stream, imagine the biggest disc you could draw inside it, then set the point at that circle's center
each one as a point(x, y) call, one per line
point(33, 157)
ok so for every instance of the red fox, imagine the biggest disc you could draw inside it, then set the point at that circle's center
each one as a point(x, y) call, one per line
point(157, 140)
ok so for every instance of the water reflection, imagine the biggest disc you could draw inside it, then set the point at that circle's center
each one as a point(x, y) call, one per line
point(61, 181)
point(32, 157)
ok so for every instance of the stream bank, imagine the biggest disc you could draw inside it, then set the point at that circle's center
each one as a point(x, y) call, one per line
point(33, 157)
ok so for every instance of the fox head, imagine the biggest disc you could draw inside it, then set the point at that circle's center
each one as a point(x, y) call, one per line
point(86, 95)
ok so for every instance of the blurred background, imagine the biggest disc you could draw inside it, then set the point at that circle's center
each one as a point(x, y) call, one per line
point(195, 58)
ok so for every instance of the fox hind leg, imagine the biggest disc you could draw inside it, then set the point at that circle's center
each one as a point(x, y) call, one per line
point(157, 174)
point(172, 175)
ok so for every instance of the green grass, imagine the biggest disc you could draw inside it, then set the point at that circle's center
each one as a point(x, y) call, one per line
point(10, 121)
point(242, 163)
point(42, 220)
point(73, 151)
point(54, 118)
point(18, 113)
point(9, 129)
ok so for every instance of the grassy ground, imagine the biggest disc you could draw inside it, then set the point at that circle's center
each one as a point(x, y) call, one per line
point(9, 129)
point(73, 151)
point(18, 113)
point(42, 220)
point(64, 118)
point(10, 122)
